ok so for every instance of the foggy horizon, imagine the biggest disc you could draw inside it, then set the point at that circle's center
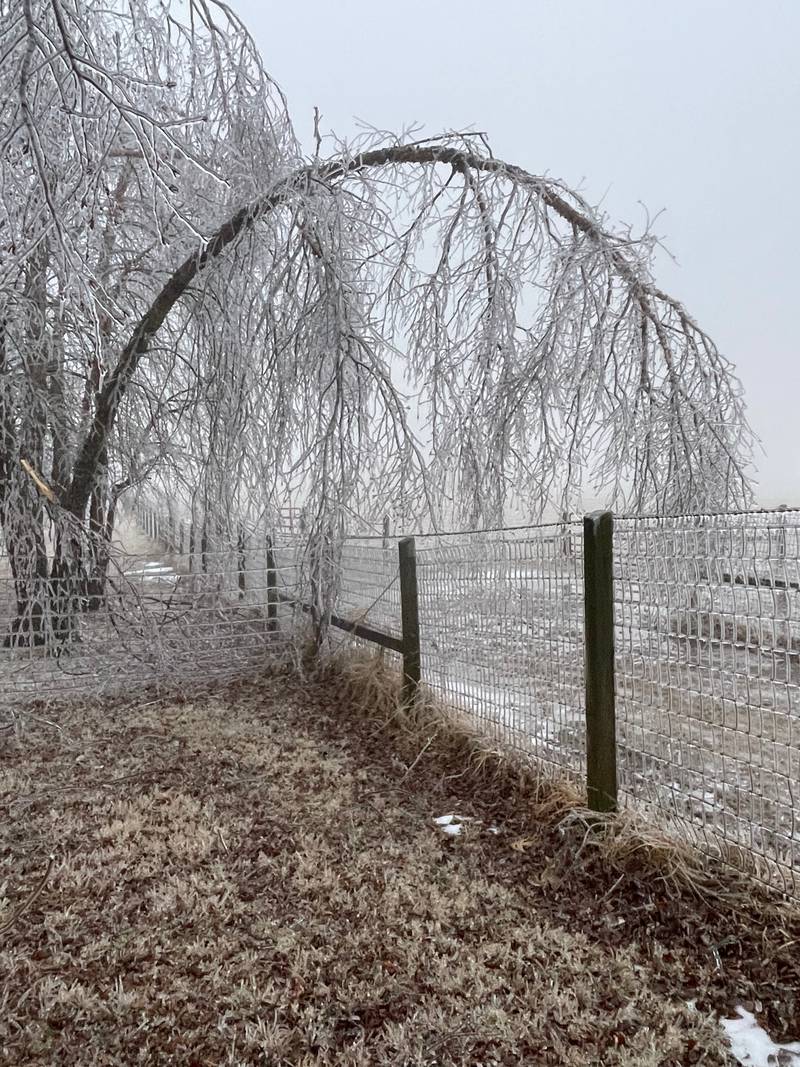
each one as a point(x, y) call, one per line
point(681, 114)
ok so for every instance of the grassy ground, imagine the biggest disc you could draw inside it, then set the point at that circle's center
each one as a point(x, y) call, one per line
point(254, 877)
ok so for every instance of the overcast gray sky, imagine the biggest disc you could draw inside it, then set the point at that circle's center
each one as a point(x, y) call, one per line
point(690, 106)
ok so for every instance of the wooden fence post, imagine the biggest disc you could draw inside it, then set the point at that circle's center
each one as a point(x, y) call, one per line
point(409, 611)
point(241, 545)
point(272, 588)
point(192, 545)
point(598, 585)
point(204, 546)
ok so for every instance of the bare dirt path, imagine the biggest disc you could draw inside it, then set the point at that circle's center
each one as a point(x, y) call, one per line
point(255, 877)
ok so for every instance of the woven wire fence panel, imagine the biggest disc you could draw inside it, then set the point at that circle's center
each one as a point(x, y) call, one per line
point(369, 583)
point(708, 681)
point(501, 627)
point(165, 617)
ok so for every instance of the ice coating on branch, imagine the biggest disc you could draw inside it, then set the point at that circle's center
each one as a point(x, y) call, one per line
point(186, 303)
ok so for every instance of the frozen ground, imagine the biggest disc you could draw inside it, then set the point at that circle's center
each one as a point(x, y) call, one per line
point(261, 875)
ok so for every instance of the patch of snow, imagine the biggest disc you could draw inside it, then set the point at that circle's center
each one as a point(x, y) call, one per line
point(752, 1046)
point(154, 572)
point(451, 824)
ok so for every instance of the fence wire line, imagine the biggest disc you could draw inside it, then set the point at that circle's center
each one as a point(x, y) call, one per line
point(502, 636)
point(707, 635)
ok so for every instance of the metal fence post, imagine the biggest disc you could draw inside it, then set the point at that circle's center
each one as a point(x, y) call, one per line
point(598, 585)
point(409, 612)
point(272, 588)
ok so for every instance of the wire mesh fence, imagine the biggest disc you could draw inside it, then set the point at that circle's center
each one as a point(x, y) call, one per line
point(368, 588)
point(707, 647)
point(708, 680)
point(707, 662)
point(502, 635)
point(501, 630)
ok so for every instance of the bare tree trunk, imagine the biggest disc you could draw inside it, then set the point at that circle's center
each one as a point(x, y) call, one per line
point(102, 518)
point(22, 511)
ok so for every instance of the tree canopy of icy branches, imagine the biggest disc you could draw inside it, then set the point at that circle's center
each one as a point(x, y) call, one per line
point(188, 302)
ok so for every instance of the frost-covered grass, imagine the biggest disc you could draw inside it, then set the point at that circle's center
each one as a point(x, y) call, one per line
point(266, 876)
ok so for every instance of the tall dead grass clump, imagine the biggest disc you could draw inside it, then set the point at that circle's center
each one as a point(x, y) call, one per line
point(625, 842)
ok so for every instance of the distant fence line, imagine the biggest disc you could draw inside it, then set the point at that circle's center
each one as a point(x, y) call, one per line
point(655, 659)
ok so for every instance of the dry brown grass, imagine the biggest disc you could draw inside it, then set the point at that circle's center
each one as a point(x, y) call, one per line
point(254, 877)
point(627, 840)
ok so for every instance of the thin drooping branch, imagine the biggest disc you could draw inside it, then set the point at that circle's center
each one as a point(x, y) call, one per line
point(326, 174)
point(191, 309)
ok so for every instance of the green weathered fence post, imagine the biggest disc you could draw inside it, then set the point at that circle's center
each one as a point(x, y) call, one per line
point(272, 588)
point(598, 585)
point(409, 612)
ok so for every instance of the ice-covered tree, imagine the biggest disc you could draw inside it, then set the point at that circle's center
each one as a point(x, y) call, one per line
point(185, 298)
